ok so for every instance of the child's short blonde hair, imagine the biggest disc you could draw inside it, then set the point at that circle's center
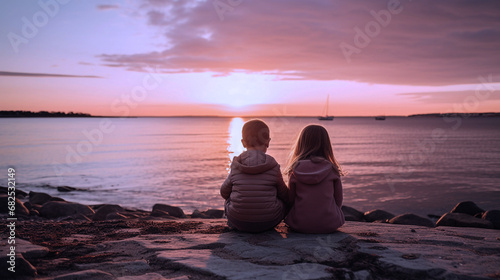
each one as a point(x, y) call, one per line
point(255, 133)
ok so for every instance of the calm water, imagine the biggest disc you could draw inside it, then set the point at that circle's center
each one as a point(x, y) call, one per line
point(402, 165)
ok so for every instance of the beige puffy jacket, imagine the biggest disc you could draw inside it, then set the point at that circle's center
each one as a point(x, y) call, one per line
point(254, 188)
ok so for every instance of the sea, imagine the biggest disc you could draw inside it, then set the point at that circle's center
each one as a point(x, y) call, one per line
point(418, 165)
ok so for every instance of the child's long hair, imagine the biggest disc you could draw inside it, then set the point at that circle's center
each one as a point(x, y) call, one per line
point(313, 141)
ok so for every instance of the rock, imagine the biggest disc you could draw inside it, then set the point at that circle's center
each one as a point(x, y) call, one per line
point(86, 274)
point(467, 207)
point(28, 205)
point(214, 213)
point(493, 216)
point(411, 219)
point(42, 198)
point(208, 263)
point(129, 215)
point(351, 214)
point(36, 207)
point(462, 220)
point(77, 217)
point(432, 216)
point(19, 193)
point(377, 215)
point(23, 268)
point(151, 276)
point(103, 211)
point(362, 275)
point(171, 210)
point(135, 267)
point(66, 189)
point(31, 251)
point(209, 214)
point(56, 209)
point(356, 251)
point(19, 207)
point(39, 198)
point(163, 214)
point(116, 216)
point(197, 214)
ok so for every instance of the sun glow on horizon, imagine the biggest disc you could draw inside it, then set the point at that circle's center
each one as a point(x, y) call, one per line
point(235, 147)
point(238, 90)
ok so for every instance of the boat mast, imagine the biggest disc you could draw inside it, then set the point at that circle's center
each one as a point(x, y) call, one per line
point(327, 103)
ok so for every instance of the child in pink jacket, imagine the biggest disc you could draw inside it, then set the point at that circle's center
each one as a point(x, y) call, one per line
point(315, 186)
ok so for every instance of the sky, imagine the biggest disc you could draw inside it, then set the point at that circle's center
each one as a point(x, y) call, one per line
point(242, 58)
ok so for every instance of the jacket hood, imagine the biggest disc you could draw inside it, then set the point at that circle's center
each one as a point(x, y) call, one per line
point(253, 162)
point(312, 171)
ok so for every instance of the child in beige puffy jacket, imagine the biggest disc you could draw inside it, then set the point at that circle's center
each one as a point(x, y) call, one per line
point(255, 193)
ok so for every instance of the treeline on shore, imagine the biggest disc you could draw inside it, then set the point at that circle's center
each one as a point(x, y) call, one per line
point(459, 115)
point(40, 114)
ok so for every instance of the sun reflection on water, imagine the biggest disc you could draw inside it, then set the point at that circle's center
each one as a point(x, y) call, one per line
point(234, 140)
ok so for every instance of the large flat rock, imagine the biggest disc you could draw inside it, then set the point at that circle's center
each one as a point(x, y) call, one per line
point(357, 251)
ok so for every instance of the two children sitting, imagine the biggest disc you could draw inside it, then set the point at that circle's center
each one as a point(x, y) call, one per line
point(257, 198)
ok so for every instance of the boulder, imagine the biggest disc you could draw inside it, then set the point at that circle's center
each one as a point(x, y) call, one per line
point(493, 216)
point(116, 216)
point(103, 211)
point(214, 213)
point(56, 209)
point(20, 209)
point(77, 217)
point(351, 214)
point(28, 205)
point(467, 207)
point(39, 198)
point(29, 250)
point(171, 210)
point(66, 189)
point(377, 215)
point(86, 274)
point(23, 268)
point(462, 220)
point(33, 206)
point(209, 214)
point(19, 193)
point(42, 198)
point(162, 214)
point(197, 214)
point(411, 219)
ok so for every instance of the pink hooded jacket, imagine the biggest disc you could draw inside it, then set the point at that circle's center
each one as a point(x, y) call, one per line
point(316, 197)
point(253, 187)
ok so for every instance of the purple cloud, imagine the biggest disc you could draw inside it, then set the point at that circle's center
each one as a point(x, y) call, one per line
point(39, 75)
point(417, 43)
point(107, 7)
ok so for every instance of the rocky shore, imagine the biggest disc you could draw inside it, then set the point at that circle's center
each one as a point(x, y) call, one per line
point(58, 239)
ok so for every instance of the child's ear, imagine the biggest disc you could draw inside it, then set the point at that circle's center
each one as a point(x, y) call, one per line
point(267, 142)
point(244, 143)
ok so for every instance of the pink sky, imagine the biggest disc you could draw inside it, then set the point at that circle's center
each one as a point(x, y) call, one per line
point(162, 58)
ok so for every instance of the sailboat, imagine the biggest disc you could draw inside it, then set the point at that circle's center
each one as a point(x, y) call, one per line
point(326, 117)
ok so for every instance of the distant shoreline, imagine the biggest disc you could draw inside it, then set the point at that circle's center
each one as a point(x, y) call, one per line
point(461, 115)
point(46, 114)
point(42, 114)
